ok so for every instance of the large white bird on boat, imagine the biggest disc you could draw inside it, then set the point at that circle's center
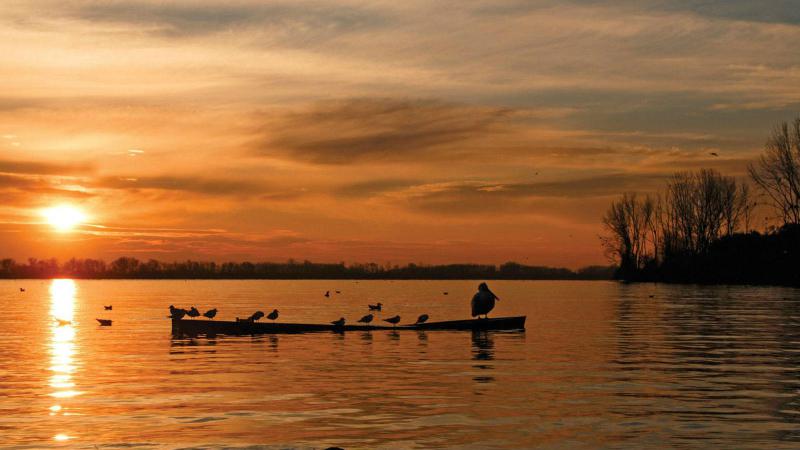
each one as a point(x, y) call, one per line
point(483, 301)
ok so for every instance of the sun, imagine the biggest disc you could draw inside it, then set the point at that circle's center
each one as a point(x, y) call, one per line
point(64, 217)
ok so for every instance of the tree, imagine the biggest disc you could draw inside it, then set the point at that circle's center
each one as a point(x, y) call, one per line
point(777, 171)
point(627, 222)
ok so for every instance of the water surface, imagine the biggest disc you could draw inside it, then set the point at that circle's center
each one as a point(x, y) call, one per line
point(601, 365)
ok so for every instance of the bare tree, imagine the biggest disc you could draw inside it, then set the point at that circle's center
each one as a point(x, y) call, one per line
point(777, 171)
point(628, 221)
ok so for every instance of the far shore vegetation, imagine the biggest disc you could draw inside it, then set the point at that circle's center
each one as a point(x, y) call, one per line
point(699, 228)
point(132, 268)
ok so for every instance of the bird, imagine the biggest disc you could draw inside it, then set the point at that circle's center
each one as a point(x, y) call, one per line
point(376, 307)
point(713, 154)
point(104, 322)
point(338, 292)
point(445, 293)
point(22, 289)
point(193, 312)
point(483, 301)
point(257, 315)
point(338, 323)
point(176, 313)
point(366, 319)
point(393, 320)
point(211, 313)
point(327, 293)
point(108, 308)
point(273, 315)
point(422, 319)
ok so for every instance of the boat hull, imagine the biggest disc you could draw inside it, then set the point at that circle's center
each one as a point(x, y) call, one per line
point(191, 327)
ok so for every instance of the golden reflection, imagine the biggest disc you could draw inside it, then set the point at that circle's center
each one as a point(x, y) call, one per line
point(63, 348)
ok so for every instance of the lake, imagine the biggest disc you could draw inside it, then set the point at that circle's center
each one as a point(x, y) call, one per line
point(600, 365)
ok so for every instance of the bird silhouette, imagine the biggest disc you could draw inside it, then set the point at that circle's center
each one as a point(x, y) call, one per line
point(22, 289)
point(713, 154)
point(338, 292)
point(376, 307)
point(108, 308)
point(104, 322)
point(257, 315)
point(193, 312)
point(422, 319)
point(366, 319)
point(338, 323)
point(273, 315)
point(327, 293)
point(176, 313)
point(393, 320)
point(483, 301)
point(445, 293)
point(211, 313)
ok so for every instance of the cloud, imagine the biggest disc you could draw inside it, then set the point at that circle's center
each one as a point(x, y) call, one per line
point(208, 186)
point(358, 130)
point(43, 168)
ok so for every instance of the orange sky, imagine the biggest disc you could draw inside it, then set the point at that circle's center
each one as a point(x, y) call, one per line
point(383, 131)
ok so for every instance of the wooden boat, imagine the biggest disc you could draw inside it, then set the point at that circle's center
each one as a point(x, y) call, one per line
point(189, 327)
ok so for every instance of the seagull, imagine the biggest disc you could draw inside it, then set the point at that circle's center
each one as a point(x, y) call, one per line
point(327, 293)
point(273, 315)
point(483, 301)
point(193, 312)
point(422, 319)
point(104, 322)
point(108, 308)
point(376, 307)
point(257, 315)
point(366, 319)
point(211, 313)
point(338, 323)
point(393, 320)
point(713, 154)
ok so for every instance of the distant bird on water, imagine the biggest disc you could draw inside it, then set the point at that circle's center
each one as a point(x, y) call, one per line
point(393, 320)
point(376, 307)
point(366, 319)
point(422, 319)
point(273, 315)
point(257, 315)
point(327, 293)
point(483, 301)
point(108, 308)
point(104, 322)
point(445, 293)
point(338, 323)
point(338, 291)
point(22, 289)
point(193, 312)
point(714, 154)
point(211, 313)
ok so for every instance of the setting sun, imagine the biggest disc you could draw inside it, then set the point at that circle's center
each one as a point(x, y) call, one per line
point(64, 217)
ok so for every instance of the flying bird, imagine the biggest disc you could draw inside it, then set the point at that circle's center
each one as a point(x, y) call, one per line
point(257, 315)
point(211, 313)
point(376, 307)
point(273, 315)
point(338, 323)
point(327, 293)
point(422, 319)
point(366, 319)
point(104, 322)
point(393, 320)
point(108, 308)
point(483, 301)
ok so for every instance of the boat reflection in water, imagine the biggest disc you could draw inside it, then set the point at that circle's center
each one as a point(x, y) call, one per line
point(63, 350)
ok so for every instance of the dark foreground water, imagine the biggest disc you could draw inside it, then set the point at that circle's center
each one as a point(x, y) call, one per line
point(601, 365)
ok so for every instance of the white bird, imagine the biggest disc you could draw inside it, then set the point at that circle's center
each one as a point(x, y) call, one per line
point(483, 301)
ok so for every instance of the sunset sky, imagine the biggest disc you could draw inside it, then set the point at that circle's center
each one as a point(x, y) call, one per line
point(397, 131)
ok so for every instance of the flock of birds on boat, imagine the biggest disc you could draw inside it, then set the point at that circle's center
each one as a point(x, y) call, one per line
point(482, 303)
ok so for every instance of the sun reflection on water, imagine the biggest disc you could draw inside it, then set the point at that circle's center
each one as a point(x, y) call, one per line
point(63, 348)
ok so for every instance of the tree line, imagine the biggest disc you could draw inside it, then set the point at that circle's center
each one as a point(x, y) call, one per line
point(127, 267)
point(699, 227)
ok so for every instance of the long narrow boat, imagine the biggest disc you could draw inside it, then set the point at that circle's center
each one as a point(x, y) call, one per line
point(196, 327)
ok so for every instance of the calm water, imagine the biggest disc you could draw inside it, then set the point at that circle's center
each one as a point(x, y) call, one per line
point(600, 365)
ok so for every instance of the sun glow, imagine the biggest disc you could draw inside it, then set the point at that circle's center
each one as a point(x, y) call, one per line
point(64, 217)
